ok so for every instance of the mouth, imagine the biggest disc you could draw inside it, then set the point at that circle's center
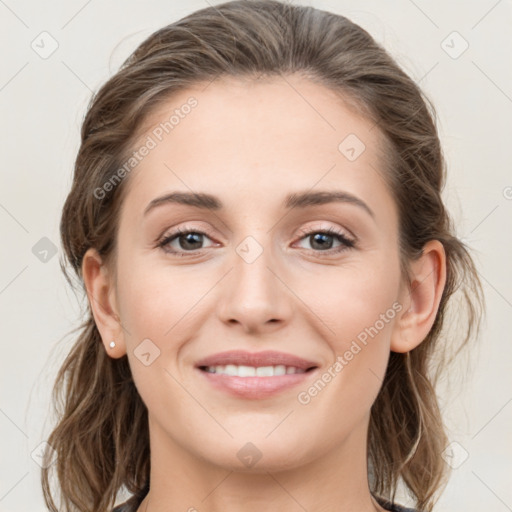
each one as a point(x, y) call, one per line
point(255, 375)
point(254, 371)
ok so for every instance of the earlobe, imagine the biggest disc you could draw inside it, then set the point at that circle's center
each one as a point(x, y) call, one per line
point(99, 287)
point(421, 301)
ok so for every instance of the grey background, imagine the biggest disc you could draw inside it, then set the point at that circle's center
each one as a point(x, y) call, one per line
point(42, 103)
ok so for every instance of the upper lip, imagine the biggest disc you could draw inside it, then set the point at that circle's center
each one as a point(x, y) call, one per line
point(257, 359)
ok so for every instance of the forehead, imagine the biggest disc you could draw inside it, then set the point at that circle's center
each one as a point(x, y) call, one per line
point(261, 139)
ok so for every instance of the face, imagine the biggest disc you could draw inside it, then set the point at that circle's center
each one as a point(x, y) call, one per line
point(261, 269)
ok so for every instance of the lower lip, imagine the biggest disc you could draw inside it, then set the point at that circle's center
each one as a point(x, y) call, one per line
point(255, 387)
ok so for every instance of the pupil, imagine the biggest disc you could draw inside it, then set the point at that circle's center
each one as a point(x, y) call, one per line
point(190, 238)
point(321, 236)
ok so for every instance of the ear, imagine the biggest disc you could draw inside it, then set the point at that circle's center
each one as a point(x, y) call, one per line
point(420, 301)
point(101, 294)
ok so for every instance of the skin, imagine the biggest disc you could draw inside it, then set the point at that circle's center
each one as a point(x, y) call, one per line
point(251, 144)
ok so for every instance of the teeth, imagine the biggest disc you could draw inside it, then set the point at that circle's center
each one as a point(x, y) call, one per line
point(250, 371)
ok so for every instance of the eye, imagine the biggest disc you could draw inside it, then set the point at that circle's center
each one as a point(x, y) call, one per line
point(183, 240)
point(321, 240)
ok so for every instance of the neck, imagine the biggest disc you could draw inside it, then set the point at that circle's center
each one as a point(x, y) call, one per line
point(334, 481)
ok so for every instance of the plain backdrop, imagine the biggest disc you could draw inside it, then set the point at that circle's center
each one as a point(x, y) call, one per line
point(459, 52)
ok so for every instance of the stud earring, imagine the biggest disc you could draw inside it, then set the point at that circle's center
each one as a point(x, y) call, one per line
point(112, 344)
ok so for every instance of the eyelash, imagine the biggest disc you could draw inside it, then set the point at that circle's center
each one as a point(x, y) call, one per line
point(346, 242)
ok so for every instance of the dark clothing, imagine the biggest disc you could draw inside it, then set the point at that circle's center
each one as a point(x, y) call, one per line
point(134, 502)
point(392, 507)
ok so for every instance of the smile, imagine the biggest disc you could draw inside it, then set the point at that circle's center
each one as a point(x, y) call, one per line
point(251, 371)
point(255, 383)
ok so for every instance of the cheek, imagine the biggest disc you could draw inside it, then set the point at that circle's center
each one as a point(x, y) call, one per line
point(350, 300)
point(160, 302)
point(156, 301)
point(360, 308)
point(157, 310)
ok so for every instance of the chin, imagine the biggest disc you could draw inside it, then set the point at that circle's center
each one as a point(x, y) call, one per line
point(251, 454)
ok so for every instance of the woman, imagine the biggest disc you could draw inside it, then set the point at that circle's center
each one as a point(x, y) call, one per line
point(256, 218)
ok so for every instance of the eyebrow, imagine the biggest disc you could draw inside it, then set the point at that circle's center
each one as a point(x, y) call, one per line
point(295, 200)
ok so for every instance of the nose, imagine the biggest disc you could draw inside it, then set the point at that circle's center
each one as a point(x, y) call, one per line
point(254, 294)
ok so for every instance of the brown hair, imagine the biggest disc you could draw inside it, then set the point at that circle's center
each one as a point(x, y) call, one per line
point(101, 438)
